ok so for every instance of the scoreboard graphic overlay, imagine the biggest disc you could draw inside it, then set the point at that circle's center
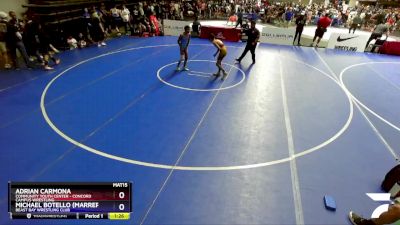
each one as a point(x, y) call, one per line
point(49, 200)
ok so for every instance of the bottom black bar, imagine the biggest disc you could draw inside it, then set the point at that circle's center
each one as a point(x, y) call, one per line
point(95, 216)
point(43, 216)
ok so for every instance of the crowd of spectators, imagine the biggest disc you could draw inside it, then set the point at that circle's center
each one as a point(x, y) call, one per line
point(281, 13)
point(100, 22)
point(342, 15)
point(30, 37)
point(27, 36)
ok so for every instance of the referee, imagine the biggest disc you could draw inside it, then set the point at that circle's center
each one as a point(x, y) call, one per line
point(253, 34)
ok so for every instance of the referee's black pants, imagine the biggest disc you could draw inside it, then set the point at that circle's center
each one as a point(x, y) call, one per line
point(299, 31)
point(239, 22)
point(252, 49)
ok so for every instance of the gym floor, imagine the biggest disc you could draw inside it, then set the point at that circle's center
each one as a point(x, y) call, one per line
point(262, 147)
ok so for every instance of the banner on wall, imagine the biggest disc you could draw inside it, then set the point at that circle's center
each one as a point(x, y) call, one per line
point(174, 27)
point(348, 42)
point(280, 36)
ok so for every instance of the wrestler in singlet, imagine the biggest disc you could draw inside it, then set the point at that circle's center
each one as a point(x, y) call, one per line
point(222, 49)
